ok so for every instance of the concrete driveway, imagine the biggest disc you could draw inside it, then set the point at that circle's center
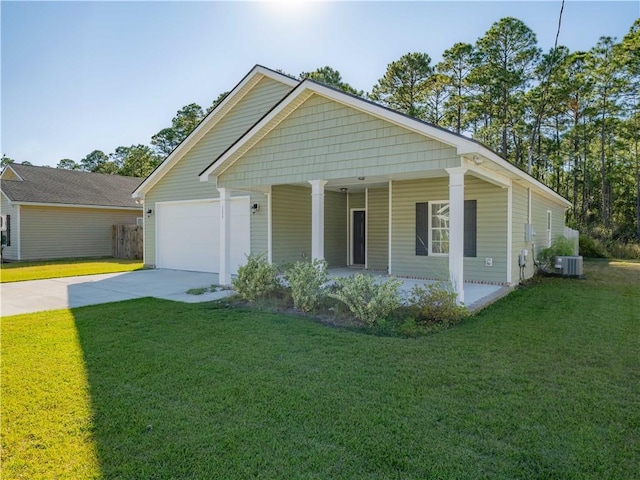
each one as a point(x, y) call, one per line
point(70, 292)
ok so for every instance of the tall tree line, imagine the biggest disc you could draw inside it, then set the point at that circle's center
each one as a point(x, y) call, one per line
point(571, 119)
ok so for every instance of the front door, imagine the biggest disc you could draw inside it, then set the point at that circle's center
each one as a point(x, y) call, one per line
point(359, 237)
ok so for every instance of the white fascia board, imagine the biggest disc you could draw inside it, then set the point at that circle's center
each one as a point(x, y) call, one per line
point(257, 73)
point(8, 199)
point(71, 205)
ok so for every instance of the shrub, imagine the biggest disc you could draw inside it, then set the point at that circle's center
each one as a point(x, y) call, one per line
point(368, 301)
point(306, 280)
point(435, 304)
point(256, 279)
point(592, 248)
point(560, 246)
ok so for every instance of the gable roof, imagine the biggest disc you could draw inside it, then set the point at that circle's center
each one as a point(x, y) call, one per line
point(46, 185)
point(235, 95)
point(308, 87)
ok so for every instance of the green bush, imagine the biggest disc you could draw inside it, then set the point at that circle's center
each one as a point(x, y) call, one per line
point(256, 279)
point(306, 280)
point(591, 248)
point(435, 304)
point(560, 246)
point(368, 301)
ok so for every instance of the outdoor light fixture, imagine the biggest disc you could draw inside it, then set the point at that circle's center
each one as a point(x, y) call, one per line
point(254, 208)
point(149, 212)
point(343, 190)
point(477, 160)
point(360, 178)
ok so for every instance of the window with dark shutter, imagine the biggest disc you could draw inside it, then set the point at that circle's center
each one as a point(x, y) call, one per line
point(470, 228)
point(422, 228)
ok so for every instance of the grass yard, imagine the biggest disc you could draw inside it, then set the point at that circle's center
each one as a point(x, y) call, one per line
point(21, 271)
point(543, 384)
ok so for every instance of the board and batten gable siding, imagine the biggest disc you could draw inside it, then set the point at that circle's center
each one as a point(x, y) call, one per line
point(182, 182)
point(67, 232)
point(491, 230)
point(335, 228)
point(377, 238)
point(291, 224)
point(6, 208)
point(324, 139)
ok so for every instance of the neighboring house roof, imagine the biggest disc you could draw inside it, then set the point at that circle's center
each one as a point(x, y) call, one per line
point(463, 145)
point(45, 185)
point(236, 94)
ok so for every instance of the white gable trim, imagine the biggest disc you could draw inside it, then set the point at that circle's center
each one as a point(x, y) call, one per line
point(211, 120)
point(270, 121)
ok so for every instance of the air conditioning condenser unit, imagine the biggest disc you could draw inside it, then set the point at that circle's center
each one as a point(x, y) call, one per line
point(569, 266)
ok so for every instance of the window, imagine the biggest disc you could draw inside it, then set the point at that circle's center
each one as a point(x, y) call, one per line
point(439, 228)
point(432, 228)
point(548, 228)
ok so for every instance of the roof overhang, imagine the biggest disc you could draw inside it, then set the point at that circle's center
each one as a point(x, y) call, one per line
point(211, 120)
point(464, 146)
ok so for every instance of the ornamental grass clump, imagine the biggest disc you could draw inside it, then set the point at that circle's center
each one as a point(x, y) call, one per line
point(369, 301)
point(306, 280)
point(560, 246)
point(256, 279)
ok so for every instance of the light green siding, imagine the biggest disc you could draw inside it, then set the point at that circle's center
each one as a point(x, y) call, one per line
point(259, 225)
point(377, 238)
point(335, 229)
point(65, 232)
point(182, 182)
point(356, 200)
point(325, 139)
point(520, 214)
point(491, 230)
point(291, 224)
point(10, 252)
point(539, 207)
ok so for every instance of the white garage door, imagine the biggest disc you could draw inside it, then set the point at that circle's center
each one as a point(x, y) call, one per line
point(188, 235)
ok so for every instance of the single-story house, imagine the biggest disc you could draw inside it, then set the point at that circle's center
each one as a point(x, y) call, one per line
point(298, 170)
point(54, 213)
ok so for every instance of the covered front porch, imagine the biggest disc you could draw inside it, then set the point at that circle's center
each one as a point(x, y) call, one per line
point(450, 225)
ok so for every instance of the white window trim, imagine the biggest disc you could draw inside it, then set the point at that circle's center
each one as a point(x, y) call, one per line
point(431, 204)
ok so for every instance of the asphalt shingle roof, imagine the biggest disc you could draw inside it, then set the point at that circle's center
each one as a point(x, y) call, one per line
point(54, 185)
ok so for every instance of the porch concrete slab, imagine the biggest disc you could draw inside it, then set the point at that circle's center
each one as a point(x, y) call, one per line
point(476, 296)
point(70, 292)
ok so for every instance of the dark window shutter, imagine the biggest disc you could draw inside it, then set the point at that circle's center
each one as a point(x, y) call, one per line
point(8, 232)
point(470, 227)
point(422, 228)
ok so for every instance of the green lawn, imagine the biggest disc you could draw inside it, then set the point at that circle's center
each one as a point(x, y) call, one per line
point(21, 271)
point(543, 384)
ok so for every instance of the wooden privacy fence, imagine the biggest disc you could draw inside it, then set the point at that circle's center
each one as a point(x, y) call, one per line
point(127, 241)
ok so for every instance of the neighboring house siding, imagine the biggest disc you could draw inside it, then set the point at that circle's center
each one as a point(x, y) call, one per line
point(324, 139)
point(377, 238)
point(11, 252)
point(491, 230)
point(335, 229)
point(291, 224)
point(182, 182)
point(64, 232)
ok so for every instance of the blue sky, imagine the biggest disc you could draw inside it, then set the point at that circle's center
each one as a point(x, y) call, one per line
point(79, 76)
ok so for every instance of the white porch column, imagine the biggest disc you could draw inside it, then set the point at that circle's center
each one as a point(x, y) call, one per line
point(317, 219)
point(456, 230)
point(224, 275)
